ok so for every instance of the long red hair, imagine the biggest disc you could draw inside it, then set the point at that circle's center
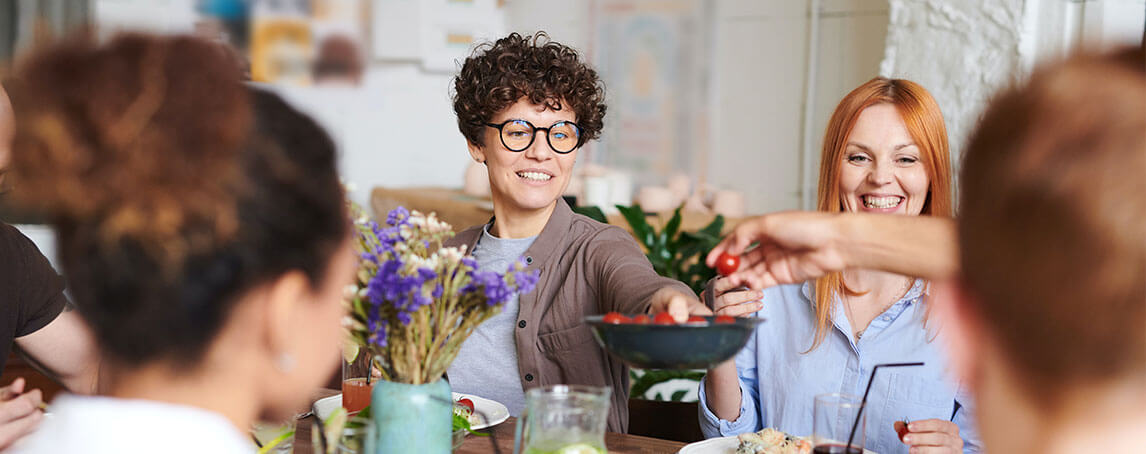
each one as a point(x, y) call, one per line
point(924, 121)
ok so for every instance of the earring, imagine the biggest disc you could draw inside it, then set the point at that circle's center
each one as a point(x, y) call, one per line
point(284, 362)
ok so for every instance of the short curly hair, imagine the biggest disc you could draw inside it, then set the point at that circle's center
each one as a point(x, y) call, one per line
point(535, 68)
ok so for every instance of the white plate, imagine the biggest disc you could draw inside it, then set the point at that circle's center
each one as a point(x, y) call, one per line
point(723, 445)
point(489, 412)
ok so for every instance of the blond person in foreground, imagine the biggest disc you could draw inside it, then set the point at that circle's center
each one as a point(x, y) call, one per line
point(1045, 296)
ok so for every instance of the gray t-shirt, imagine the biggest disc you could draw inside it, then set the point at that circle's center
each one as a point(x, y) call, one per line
point(486, 365)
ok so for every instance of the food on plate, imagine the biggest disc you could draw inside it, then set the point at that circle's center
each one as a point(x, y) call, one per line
point(772, 441)
point(663, 318)
point(615, 318)
point(727, 263)
point(464, 416)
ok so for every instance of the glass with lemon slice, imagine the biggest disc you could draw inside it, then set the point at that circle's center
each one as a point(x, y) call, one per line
point(563, 419)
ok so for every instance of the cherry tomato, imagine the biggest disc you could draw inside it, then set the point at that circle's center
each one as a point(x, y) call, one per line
point(466, 403)
point(663, 318)
point(696, 319)
point(727, 263)
point(901, 429)
point(724, 319)
point(615, 318)
point(641, 319)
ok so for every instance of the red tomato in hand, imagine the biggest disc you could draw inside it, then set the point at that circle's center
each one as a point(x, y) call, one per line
point(466, 403)
point(696, 319)
point(615, 318)
point(724, 319)
point(901, 429)
point(727, 263)
point(641, 319)
point(663, 318)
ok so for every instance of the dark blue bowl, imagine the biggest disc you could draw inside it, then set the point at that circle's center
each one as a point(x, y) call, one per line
point(697, 345)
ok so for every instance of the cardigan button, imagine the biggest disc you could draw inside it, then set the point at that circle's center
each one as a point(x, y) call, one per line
point(528, 260)
point(528, 377)
point(521, 323)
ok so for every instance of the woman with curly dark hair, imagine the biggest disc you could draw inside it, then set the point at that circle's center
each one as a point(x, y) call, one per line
point(202, 228)
point(525, 106)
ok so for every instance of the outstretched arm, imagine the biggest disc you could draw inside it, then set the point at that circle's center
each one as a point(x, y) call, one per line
point(796, 246)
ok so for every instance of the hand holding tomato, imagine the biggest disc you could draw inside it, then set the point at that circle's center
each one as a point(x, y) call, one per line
point(727, 264)
point(734, 300)
point(932, 435)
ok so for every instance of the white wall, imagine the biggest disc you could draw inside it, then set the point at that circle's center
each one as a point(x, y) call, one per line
point(761, 75)
point(399, 130)
point(964, 50)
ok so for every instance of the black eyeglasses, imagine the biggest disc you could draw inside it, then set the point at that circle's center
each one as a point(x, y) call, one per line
point(517, 135)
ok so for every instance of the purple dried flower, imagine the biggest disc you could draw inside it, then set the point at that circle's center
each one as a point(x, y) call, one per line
point(525, 280)
point(397, 216)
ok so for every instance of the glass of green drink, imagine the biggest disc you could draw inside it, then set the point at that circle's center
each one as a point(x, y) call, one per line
point(563, 419)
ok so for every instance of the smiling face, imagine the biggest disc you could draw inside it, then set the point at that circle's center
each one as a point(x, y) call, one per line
point(531, 180)
point(881, 170)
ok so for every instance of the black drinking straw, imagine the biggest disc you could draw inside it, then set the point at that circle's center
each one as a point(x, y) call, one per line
point(863, 402)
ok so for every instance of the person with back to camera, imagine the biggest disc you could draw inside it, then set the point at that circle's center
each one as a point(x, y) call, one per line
point(1041, 280)
point(525, 106)
point(885, 152)
point(202, 227)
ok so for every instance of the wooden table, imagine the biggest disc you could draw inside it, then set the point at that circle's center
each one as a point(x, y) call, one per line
point(503, 437)
point(615, 442)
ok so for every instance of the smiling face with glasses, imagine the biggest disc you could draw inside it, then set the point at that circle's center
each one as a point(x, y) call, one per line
point(529, 151)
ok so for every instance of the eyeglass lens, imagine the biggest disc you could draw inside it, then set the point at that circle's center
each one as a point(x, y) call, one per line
point(517, 135)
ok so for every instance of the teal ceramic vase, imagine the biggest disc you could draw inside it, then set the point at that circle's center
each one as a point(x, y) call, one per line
point(412, 419)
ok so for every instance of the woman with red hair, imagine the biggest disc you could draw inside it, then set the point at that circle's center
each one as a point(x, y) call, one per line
point(885, 151)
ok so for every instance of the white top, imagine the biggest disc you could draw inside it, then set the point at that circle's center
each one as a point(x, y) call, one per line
point(107, 425)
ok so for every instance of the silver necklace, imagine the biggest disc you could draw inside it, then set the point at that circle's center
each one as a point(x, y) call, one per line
point(899, 295)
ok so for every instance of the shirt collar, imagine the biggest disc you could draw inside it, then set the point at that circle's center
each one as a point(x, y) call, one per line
point(918, 288)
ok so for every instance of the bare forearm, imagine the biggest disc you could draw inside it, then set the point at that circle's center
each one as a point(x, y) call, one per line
point(921, 246)
point(722, 390)
point(66, 348)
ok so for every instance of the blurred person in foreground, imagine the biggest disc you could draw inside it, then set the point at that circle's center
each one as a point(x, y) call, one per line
point(36, 318)
point(202, 228)
point(1045, 298)
point(885, 151)
point(526, 105)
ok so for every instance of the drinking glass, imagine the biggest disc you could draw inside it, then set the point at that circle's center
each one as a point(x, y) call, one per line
point(281, 434)
point(354, 440)
point(563, 418)
point(833, 417)
point(357, 383)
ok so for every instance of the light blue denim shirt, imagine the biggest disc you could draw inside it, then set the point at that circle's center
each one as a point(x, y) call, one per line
point(778, 382)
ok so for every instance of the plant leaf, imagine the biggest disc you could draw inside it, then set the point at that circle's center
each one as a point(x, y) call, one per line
point(715, 227)
point(673, 225)
point(592, 212)
point(644, 232)
point(679, 395)
point(657, 376)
